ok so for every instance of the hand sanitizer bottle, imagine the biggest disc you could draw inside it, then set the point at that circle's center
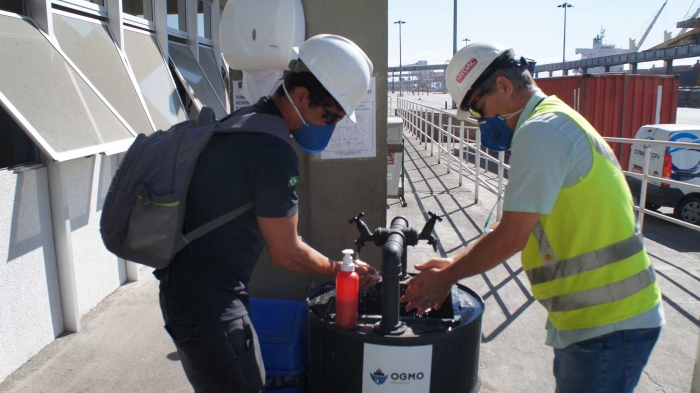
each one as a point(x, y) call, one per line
point(347, 288)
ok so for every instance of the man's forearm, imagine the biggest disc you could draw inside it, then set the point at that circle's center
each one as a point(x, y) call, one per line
point(311, 262)
point(481, 256)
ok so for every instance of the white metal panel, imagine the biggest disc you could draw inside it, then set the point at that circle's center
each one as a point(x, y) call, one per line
point(154, 79)
point(208, 62)
point(193, 78)
point(73, 117)
point(89, 44)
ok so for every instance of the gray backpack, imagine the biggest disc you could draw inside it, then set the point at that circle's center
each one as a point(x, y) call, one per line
point(144, 210)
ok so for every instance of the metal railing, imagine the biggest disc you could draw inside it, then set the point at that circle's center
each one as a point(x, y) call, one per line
point(645, 177)
point(415, 117)
point(419, 120)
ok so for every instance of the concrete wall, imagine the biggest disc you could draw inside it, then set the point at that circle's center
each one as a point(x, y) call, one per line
point(333, 191)
point(30, 302)
point(97, 271)
point(30, 309)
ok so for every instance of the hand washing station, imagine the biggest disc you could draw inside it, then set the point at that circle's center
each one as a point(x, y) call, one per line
point(392, 350)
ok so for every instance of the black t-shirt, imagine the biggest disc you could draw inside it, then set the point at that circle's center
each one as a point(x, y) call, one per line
point(212, 273)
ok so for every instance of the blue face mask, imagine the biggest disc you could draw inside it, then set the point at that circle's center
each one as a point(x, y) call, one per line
point(495, 133)
point(311, 138)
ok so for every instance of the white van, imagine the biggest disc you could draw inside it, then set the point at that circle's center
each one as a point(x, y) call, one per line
point(670, 163)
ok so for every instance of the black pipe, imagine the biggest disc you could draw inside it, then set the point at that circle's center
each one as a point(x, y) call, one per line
point(404, 262)
point(392, 255)
point(391, 271)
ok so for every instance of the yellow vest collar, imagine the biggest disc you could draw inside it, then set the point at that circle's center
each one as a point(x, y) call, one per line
point(529, 108)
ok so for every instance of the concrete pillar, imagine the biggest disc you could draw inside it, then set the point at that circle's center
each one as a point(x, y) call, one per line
point(114, 19)
point(132, 270)
point(216, 40)
point(60, 219)
point(41, 13)
point(365, 23)
point(192, 28)
point(333, 191)
point(160, 19)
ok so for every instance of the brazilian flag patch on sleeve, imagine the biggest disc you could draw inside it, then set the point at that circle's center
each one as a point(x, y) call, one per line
point(293, 180)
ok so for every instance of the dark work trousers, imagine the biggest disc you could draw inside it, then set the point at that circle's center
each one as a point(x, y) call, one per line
point(217, 355)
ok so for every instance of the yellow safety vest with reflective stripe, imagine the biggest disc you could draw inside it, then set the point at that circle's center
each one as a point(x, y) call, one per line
point(586, 259)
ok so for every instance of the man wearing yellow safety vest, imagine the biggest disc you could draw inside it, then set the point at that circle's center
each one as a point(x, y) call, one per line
point(570, 212)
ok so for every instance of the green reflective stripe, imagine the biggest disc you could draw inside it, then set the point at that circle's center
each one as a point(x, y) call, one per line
point(546, 251)
point(171, 204)
point(602, 295)
point(588, 261)
point(605, 151)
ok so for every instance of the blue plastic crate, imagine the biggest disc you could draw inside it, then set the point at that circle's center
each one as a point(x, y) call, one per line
point(281, 327)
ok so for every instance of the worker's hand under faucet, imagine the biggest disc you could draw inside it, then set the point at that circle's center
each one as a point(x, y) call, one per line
point(428, 289)
point(369, 276)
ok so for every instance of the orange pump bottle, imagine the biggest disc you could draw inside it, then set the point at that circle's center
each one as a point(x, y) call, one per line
point(347, 289)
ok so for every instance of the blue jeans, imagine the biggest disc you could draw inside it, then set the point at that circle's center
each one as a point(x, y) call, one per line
point(610, 363)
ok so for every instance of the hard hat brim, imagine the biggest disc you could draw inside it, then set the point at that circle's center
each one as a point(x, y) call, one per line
point(463, 115)
point(351, 116)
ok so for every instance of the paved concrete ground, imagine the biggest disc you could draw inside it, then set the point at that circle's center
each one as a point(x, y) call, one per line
point(123, 347)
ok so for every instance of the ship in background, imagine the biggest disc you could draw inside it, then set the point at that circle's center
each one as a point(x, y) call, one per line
point(601, 49)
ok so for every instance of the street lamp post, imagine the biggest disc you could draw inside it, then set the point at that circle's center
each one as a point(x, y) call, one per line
point(563, 55)
point(400, 22)
point(454, 30)
point(454, 42)
point(466, 41)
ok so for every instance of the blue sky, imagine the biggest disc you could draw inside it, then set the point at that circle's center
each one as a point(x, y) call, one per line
point(533, 28)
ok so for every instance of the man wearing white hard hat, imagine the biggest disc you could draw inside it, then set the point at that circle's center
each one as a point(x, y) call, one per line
point(204, 291)
point(569, 210)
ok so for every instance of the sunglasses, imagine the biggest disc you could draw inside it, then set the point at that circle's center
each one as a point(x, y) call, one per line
point(476, 113)
point(329, 117)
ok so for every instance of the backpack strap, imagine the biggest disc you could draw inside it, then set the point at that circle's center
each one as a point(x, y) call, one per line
point(255, 122)
point(248, 122)
point(206, 116)
point(217, 222)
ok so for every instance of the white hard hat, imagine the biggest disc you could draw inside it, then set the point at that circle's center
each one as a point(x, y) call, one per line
point(341, 67)
point(468, 66)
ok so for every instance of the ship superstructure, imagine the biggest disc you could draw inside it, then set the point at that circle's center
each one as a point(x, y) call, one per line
point(599, 49)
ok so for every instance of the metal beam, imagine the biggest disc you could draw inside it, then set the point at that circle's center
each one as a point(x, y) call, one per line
point(419, 68)
point(679, 52)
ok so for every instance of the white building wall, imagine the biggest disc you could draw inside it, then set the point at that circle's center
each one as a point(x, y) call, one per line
point(30, 306)
point(97, 271)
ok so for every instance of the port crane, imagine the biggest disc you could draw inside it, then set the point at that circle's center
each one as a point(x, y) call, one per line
point(634, 46)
